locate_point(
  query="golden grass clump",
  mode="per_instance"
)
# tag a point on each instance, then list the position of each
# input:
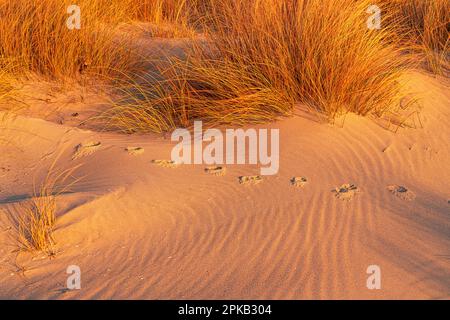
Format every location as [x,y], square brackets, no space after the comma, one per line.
[38,221]
[37,217]
[319,53]
[36,38]
[140,105]
[425,27]
[153,105]
[257,60]
[35,35]
[262,57]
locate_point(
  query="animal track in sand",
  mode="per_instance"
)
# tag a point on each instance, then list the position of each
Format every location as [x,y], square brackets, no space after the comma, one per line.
[346,191]
[134,151]
[165,163]
[216,171]
[86,149]
[299,182]
[250,179]
[402,192]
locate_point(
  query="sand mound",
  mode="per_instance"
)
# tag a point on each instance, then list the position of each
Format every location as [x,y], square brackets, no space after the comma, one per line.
[138,231]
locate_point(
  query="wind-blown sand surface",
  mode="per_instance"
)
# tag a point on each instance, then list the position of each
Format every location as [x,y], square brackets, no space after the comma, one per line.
[139,230]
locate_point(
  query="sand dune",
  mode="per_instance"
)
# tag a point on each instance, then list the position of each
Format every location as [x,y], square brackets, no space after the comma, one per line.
[139,230]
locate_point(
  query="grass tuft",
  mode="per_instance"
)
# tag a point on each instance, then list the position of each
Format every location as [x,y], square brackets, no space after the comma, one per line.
[261,58]
[37,218]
